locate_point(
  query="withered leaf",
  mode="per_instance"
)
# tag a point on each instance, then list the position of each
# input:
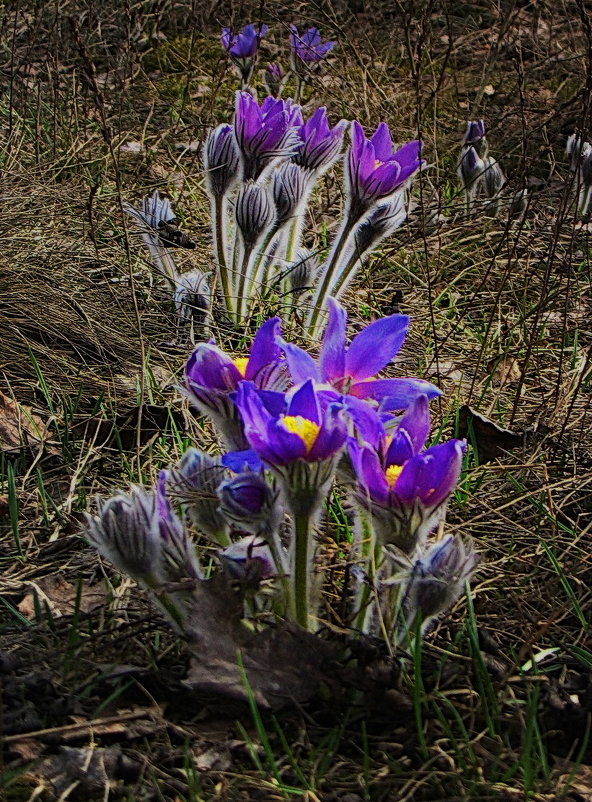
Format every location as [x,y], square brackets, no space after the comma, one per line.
[283,664]
[487,438]
[19,426]
[61,596]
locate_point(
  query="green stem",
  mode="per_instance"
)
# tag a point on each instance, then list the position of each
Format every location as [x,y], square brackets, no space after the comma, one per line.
[241,300]
[332,265]
[219,232]
[301,558]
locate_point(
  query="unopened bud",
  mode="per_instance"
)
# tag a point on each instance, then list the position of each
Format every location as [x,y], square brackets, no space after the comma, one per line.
[274,78]
[254,212]
[221,160]
[289,184]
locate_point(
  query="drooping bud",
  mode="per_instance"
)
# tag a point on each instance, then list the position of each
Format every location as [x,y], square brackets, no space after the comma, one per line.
[254,212]
[437,579]
[221,161]
[192,296]
[193,483]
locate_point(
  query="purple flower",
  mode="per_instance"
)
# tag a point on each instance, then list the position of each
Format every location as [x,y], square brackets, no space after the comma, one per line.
[470,168]
[308,47]
[242,48]
[403,487]
[305,428]
[211,376]
[374,169]
[474,133]
[265,133]
[349,370]
[321,144]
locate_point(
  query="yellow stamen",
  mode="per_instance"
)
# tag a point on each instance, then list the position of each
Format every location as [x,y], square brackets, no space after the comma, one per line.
[241,364]
[306,429]
[377,164]
[392,474]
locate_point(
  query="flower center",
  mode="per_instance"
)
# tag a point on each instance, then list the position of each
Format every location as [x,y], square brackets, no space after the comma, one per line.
[392,474]
[306,429]
[241,364]
[377,164]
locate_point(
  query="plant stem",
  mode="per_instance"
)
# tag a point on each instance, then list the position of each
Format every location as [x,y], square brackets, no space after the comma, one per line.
[328,271]
[219,236]
[301,558]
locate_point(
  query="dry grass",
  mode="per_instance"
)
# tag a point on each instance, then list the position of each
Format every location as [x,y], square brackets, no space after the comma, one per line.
[501,317]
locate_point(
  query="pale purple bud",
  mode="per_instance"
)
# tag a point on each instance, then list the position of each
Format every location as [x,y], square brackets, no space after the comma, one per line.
[303,273]
[248,560]
[470,166]
[437,579]
[493,177]
[193,483]
[221,161]
[383,222]
[250,502]
[274,78]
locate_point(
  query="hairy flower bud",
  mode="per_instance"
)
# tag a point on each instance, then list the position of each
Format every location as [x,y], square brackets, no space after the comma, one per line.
[254,212]
[288,186]
[493,177]
[250,502]
[274,78]
[221,161]
[383,221]
[193,483]
[470,167]
[303,272]
[436,580]
[248,560]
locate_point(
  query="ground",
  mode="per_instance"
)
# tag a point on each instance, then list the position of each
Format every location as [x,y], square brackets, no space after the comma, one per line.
[105,102]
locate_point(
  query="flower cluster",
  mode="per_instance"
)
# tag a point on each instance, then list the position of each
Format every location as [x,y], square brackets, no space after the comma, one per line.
[292,424]
[260,171]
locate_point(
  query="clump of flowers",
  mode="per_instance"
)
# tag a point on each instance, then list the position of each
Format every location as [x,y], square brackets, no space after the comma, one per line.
[294,425]
[260,172]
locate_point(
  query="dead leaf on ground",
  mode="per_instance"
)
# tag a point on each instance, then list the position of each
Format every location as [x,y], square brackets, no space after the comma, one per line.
[20,426]
[486,437]
[212,758]
[504,370]
[283,664]
[579,782]
[60,595]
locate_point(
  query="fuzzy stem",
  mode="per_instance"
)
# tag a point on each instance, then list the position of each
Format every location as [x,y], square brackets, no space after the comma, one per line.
[242,297]
[219,205]
[301,558]
[330,268]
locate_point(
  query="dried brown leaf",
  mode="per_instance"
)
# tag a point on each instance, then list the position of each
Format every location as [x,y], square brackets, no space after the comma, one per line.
[60,595]
[19,426]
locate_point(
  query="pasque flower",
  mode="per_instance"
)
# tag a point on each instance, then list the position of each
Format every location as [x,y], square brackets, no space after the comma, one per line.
[242,48]
[298,426]
[299,437]
[320,144]
[374,169]
[402,486]
[349,370]
[265,133]
[211,376]
[308,47]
